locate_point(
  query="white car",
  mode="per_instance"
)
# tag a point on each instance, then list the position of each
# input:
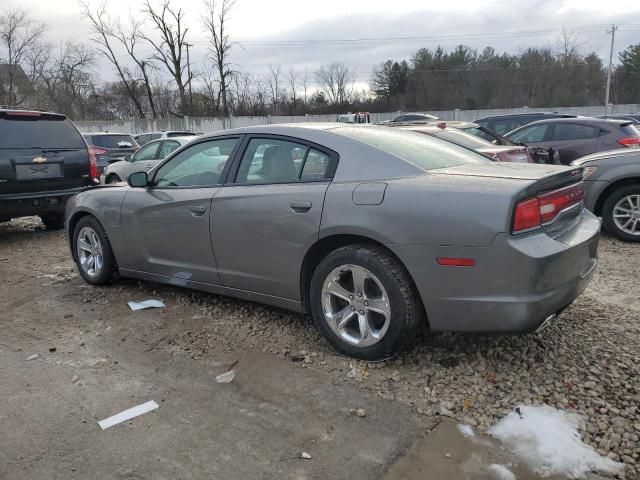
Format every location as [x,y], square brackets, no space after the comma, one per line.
[143,160]
[144,138]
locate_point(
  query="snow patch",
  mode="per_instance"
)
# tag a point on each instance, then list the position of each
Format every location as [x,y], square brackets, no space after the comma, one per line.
[501,472]
[547,440]
[466,430]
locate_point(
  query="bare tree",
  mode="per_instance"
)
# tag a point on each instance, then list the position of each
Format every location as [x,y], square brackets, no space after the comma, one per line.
[292,78]
[336,81]
[105,31]
[220,44]
[169,22]
[305,79]
[19,35]
[273,82]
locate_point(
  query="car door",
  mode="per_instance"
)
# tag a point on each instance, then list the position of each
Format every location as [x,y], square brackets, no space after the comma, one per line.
[143,160]
[265,220]
[573,140]
[166,224]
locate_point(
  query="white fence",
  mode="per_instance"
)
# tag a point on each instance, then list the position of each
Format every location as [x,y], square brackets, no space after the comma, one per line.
[212,124]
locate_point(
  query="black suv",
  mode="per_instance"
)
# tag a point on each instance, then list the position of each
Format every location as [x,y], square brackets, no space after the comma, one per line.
[503,124]
[43,161]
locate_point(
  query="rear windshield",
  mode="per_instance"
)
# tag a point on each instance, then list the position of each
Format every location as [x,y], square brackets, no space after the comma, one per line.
[460,138]
[423,151]
[39,132]
[180,134]
[112,141]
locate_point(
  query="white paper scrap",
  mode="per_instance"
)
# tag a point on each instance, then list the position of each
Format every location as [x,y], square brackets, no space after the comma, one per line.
[226,377]
[128,414]
[151,303]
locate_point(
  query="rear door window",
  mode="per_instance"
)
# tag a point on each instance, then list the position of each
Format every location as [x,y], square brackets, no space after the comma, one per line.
[113,141]
[271,160]
[167,147]
[39,132]
[148,152]
[574,131]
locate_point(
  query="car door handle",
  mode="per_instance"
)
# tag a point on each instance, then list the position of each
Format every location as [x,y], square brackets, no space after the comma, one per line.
[198,211]
[300,207]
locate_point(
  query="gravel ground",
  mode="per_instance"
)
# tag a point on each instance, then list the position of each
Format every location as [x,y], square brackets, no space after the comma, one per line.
[588,361]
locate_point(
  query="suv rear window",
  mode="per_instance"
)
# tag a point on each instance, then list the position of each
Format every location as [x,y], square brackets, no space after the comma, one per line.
[423,151]
[112,141]
[39,132]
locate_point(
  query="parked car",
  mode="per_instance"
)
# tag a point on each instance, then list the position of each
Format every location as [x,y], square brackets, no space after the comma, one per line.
[360,117]
[142,160]
[503,124]
[632,117]
[374,231]
[108,147]
[43,161]
[612,190]
[412,118]
[143,138]
[537,154]
[576,137]
[499,153]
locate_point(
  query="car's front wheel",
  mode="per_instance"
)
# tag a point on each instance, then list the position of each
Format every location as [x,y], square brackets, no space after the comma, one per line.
[92,252]
[621,213]
[113,179]
[364,302]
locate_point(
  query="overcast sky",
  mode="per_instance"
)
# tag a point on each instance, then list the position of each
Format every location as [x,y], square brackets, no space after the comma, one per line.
[506,25]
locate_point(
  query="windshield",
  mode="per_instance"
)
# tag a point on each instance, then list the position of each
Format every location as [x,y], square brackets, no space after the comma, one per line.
[423,151]
[39,132]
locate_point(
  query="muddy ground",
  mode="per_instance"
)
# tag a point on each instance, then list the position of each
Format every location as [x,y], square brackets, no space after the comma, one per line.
[292,392]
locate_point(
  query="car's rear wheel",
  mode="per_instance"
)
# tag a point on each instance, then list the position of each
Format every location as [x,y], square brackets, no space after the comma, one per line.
[114,179]
[364,302]
[53,221]
[621,213]
[92,252]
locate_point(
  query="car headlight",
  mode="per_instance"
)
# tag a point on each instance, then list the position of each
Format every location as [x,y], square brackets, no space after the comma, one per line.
[588,171]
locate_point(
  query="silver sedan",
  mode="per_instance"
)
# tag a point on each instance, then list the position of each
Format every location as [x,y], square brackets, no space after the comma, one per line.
[373,231]
[147,157]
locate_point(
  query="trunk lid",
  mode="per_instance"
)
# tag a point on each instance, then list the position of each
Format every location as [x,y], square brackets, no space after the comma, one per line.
[540,182]
[40,152]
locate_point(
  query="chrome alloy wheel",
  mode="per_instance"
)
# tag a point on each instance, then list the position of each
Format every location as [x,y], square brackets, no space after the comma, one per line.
[626,214]
[89,251]
[356,305]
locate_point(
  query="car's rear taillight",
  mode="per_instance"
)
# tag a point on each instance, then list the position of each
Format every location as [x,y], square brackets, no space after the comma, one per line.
[545,208]
[630,141]
[93,162]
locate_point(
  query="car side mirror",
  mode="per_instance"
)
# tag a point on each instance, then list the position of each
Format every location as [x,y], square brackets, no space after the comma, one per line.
[138,180]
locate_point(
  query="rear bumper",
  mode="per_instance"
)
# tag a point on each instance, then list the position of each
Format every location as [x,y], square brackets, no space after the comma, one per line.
[515,285]
[35,203]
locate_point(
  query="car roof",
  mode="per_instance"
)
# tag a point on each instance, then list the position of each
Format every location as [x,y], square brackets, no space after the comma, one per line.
[584,120]
[6,109]
[527,114]
[105,133]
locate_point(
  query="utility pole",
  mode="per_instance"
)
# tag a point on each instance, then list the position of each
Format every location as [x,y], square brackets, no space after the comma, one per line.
[189,74]
[606,98]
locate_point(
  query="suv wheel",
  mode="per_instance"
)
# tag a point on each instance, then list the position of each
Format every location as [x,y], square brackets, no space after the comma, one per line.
[92,252]
[53,221]
[621,213]
[364,302]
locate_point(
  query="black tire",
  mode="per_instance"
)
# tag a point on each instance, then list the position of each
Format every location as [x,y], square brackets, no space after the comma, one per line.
[113,178]
[53,221]
[607,212]
[109,272]
[406,309]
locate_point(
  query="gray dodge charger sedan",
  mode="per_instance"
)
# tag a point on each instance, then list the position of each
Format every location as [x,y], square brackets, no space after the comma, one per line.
[371,230]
